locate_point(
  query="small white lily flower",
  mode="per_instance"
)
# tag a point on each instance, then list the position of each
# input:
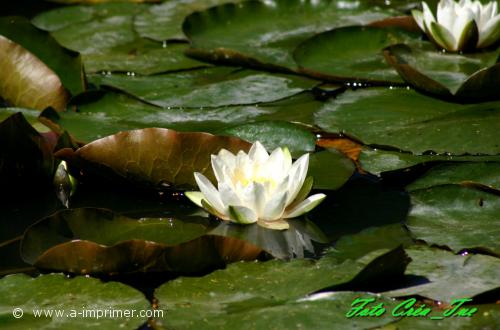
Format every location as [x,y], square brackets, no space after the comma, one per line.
[462,25]
[257,187]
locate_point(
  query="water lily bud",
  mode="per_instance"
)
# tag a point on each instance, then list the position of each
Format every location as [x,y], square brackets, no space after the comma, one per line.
[64,183]
[257,187]
[463,25]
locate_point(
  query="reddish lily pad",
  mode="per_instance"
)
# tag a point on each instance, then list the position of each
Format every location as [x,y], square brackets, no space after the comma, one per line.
[97,241]
[67,65]
[25,81]
[153,157]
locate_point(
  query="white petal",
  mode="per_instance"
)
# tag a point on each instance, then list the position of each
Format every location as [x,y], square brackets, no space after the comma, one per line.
[243,164]
[491,33]
[275,225]
[258,153]
[303,192]
[195,197]
[494,11]
[228,195]
[227,158]
[463,19]
[209,192]
[428,16]
[446,15]
[484,16]
[259,193]
[419,18]
[275,165]
[241,214]
[275,207]
[287,165]
[213,211]
[217,167]
[254,197]
[297,176]
[305,206]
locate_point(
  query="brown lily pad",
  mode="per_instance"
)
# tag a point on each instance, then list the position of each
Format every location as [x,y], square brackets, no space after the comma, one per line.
[153,157]
[25,81]
[186,241]
[66,64]
[199,255]
[98,241]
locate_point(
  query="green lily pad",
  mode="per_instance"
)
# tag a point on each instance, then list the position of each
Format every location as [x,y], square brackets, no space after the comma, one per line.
[65,64]
[487,316]
[468,217]
[152,157]
[470,77]
[142,57]
[276,134]
[330,169]
[487,174]
[353,53]
[242,33]
[412,122]
[315,313]
[72,296]
[378,161]
[31,116]
[26,158]
[211,87]
[262,290]
[164,21]
[93,2]
[445,276]
[371,239]
[60,18]
[115,112]
[91,29]
[106,38]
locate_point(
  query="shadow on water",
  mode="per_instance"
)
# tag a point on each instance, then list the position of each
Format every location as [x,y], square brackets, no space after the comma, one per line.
[363,202]
[18,212]
[26,8]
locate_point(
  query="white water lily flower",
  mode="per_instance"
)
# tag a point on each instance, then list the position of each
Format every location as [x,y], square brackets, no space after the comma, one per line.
[257,187]
[460,26]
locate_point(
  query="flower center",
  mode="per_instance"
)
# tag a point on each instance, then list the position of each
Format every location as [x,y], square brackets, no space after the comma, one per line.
[244,179]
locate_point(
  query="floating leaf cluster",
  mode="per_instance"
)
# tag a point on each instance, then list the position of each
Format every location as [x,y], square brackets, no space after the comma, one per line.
[135,97]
